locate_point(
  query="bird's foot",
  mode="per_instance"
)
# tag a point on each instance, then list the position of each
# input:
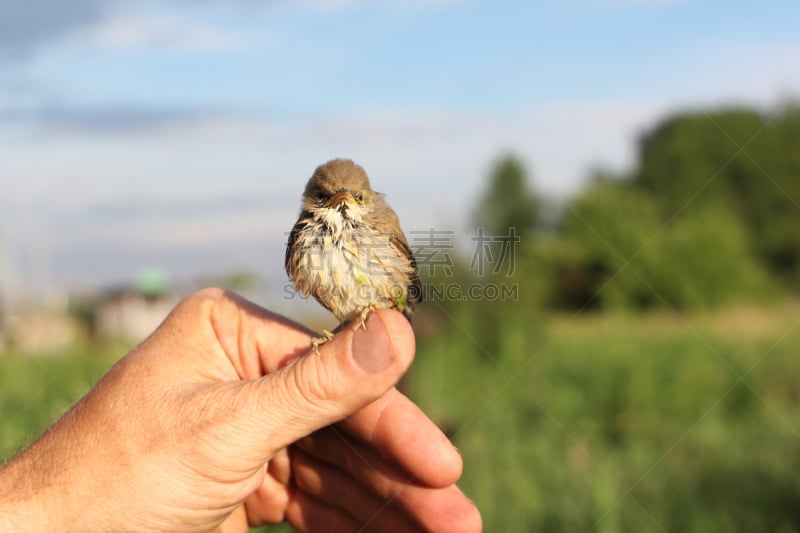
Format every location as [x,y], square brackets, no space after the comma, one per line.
[364,314]
[317,341]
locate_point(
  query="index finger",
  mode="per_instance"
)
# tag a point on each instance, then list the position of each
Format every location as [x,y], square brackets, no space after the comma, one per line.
[401,433]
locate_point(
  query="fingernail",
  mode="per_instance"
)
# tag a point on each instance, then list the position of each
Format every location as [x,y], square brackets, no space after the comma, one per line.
[372,350]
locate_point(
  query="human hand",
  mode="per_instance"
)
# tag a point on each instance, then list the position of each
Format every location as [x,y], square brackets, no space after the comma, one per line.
[190,431]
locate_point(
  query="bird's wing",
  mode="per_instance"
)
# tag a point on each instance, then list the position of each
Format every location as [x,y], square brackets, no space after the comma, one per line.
[397,239]
[290,260]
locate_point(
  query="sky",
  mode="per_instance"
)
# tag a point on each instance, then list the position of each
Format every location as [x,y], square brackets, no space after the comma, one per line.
[179,135]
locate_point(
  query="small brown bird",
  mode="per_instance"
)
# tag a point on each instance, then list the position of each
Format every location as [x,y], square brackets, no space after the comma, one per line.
[347,249]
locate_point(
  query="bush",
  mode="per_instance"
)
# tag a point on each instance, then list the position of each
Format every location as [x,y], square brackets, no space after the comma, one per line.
[737,158]
[616,252]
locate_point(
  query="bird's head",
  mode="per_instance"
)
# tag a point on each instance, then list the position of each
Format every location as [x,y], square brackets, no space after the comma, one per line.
[338,192]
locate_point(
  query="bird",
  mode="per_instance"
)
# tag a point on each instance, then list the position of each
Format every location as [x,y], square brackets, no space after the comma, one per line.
[347,248]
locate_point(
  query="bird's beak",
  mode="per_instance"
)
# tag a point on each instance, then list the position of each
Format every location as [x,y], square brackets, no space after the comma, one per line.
[341,198]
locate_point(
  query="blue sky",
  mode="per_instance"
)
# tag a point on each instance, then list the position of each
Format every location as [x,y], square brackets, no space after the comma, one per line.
[179,134]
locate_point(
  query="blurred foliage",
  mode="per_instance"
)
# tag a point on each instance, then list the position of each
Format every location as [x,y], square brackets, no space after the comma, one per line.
[237,281]
[36,390]
[614,251]
[678,419]
[709,215]
[744,160]
[620,423]
[507,201]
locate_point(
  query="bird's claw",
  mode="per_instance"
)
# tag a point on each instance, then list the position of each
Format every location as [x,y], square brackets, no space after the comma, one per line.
[317,341]
[364,314]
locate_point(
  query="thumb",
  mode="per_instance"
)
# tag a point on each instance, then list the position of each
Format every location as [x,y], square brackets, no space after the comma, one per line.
[355,368]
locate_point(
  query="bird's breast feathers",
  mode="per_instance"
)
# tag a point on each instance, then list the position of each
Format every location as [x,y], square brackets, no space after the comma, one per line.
[349,267]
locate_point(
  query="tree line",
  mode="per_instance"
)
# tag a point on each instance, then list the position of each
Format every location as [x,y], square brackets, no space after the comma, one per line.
[709,215]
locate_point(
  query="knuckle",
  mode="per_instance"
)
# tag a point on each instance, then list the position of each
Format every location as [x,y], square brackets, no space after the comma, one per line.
[202,303]
[211,295]
[275,513]
[316,387]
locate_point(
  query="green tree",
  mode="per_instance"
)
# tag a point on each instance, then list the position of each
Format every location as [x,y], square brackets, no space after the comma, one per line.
[736,159]
[688,160]
[508,201]
[505,218]
[614,251]
[602,235]
[768,196]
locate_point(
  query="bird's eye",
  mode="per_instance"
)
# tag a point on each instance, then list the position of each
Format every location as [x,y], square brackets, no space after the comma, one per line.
[359,197]
[319,196]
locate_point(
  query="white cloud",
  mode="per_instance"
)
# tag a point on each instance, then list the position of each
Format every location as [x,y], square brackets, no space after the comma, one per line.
[165,31]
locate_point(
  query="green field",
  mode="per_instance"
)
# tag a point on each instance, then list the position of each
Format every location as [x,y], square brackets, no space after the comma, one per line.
[574,423]
[36,390]
[618,423]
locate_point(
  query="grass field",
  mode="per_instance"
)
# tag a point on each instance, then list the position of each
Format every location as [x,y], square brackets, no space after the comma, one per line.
[592,423]
[36,390]
[618,423]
